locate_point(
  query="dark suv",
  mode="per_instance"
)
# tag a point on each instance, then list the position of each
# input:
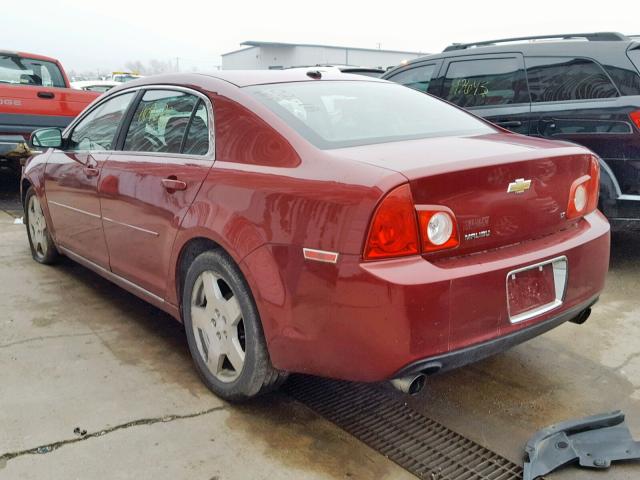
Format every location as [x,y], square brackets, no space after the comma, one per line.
[583,88]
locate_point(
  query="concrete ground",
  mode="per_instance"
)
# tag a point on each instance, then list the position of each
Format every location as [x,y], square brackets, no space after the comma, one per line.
[77,353]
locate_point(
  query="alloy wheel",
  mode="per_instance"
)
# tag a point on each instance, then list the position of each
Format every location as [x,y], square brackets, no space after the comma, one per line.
[218,326]
[37,227]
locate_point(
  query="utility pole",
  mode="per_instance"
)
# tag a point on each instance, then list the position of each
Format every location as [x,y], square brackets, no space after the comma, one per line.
[177,64]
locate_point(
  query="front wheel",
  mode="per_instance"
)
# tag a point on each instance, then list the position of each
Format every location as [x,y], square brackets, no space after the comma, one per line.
[43,250]
[224,330]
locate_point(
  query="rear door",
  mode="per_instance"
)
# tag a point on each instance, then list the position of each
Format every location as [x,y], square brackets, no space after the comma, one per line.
[491,86]
[574,99]
[147,186]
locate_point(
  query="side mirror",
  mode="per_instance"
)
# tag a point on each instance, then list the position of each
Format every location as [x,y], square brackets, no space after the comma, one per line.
[46,138]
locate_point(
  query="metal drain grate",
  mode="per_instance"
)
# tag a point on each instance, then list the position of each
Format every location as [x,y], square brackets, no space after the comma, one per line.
[422,446]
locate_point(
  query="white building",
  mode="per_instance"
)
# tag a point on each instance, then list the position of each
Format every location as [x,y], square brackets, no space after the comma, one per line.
[275,55]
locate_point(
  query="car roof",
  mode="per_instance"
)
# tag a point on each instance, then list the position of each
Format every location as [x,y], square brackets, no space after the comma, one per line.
[245,78]
[33,56]
[579,48]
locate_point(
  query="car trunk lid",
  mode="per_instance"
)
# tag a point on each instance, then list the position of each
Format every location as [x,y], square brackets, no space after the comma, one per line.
[502,188]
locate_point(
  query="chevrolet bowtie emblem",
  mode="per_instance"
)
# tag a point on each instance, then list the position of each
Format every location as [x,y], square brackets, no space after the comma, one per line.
[520,185]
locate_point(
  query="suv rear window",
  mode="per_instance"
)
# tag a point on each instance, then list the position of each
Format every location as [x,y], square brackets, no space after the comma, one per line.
[554,79]
[485,82]
[335,114]
[28,71]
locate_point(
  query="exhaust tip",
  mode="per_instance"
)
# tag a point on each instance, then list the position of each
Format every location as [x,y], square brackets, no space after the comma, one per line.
[412,384]
[582,317]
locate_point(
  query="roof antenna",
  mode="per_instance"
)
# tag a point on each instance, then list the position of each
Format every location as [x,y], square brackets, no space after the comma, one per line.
[315,74]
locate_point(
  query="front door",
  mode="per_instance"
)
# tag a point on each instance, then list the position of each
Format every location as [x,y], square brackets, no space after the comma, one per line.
[491,86]
[147,187]
[71,180]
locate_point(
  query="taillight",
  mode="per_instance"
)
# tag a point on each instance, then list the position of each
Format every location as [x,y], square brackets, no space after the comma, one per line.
[393,231]
[438,229]
[394,227]
[635,118]
[583,194]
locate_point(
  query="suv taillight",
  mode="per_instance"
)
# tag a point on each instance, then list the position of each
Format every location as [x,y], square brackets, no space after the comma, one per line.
[583,194]
[635,118]
[396,230]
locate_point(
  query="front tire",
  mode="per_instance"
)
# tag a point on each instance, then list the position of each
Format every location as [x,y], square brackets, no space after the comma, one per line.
[43,250]
[224,330]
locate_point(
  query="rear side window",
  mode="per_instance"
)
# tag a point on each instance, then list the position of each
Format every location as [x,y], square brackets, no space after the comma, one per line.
[97,130]
[485,82]
[27,71]
[555,79]
[161,120]
[197,140]
[417,78]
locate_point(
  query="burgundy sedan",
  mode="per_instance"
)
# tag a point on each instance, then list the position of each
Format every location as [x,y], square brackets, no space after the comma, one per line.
[321,223]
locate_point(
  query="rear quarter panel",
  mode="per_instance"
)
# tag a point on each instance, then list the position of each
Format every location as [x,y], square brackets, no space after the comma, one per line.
[265,199]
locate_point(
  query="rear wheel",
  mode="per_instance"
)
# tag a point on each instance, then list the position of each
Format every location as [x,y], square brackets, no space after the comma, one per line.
[224,330]
[43,250]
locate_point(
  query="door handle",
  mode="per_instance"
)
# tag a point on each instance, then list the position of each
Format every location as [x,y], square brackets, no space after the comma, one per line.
[46,95]
[91,167]
[547,123]
[172,184]
[91,171]
[510,124]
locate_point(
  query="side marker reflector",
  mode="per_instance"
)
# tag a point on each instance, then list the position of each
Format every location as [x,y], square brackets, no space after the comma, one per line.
[320,255]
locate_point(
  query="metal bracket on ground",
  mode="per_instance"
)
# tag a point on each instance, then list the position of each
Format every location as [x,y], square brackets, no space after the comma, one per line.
[594,442]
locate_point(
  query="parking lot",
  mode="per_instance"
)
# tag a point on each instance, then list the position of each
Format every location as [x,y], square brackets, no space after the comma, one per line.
[81,354]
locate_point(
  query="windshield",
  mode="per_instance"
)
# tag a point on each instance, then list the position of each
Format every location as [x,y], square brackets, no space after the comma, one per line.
[28,71]
[336,114]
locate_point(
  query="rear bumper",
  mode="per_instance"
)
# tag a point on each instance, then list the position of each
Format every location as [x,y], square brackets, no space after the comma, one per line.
[475,353]
[368,321]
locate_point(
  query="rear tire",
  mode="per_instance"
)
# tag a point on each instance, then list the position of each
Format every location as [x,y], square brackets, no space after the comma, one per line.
[43,250]
[224,330]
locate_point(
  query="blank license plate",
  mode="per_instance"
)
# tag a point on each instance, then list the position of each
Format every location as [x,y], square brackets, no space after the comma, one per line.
[537,289]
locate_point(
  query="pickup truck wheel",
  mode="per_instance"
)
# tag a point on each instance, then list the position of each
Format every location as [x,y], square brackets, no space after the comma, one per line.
[43,250]
[224,330]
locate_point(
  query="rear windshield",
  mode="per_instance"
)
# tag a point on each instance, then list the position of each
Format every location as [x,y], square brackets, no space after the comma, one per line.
[28,71]
[336,114]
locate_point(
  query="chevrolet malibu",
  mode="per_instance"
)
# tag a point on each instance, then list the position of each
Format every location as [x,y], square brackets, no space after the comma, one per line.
[323,223]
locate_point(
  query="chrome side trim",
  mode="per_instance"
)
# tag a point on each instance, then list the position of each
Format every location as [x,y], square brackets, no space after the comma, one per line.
[626,196]
[139,229]
[51,202]
[560,279]
[117,279]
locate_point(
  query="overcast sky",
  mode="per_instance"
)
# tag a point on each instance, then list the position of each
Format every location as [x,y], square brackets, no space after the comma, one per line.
[87,34]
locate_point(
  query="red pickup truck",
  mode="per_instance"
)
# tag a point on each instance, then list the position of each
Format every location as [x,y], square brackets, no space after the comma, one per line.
[34,93]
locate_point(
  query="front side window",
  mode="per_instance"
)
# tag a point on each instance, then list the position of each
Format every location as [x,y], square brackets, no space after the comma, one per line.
[96,132]
[28,71]
[161,121]
[556,79]
[336,114]
[485,82]
[417,78]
